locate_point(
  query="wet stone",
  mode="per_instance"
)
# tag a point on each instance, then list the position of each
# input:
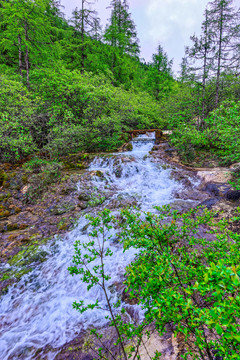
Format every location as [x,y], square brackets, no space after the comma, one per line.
[233,195]
[209,203]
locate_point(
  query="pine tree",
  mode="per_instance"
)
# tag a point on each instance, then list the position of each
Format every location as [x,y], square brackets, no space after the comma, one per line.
[160,73]
[225,25]
[26,29]
[121,32]
[87,24]
[121,35]
[200,56]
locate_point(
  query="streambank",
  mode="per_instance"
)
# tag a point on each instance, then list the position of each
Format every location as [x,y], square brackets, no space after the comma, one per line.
[36,313]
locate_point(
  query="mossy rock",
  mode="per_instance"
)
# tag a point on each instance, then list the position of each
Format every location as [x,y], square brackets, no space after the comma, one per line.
[12,227]
[83,196]
[129,147]
[5,196]
[63,208]
[3,177]
[4,212]
[25,179]
[99,174]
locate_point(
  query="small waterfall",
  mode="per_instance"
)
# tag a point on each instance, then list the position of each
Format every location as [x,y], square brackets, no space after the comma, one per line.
[37,311]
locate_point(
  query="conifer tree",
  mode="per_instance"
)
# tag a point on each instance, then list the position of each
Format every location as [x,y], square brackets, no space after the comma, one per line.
[26,29]
[87,24]
[200,55]
[121,32]
[225,25]
[160,73]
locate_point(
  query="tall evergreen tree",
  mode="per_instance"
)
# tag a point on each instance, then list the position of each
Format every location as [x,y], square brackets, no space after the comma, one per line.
[200,55]
[26,29]
[225,25]
[121,32]
[160,73]
[87,24]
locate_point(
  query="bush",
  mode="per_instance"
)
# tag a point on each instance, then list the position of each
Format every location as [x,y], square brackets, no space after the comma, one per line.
[219,135]
[186,275]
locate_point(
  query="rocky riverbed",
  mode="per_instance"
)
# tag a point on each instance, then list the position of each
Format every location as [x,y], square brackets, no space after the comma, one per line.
[31,231]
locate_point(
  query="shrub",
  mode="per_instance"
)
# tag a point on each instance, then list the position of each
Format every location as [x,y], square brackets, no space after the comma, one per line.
[186,274]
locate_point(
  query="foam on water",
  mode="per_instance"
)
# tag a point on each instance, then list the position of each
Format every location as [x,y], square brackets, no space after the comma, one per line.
[38,310]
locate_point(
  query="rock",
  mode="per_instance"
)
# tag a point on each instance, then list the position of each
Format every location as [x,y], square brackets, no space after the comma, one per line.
[235,167]
[217,189]
[212,189]
[82,205]
[118,171]
[25,189]
[155,148]
[126,147]
[233,195]
[181,205]
[84,196]
[63,208]
[217,175]
[158,136]
[67,191]
[209,203]
[155,343]
[171,152]
[122,202]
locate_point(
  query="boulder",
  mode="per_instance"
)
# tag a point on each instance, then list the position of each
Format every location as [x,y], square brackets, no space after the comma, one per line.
[62,208]
[209,203]
[233,195]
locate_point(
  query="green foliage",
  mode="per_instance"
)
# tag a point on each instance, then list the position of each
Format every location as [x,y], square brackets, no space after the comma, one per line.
[188,277]
[186,273]
[219,135]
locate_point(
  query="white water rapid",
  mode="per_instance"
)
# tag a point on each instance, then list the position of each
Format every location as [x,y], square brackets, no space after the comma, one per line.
[37,311]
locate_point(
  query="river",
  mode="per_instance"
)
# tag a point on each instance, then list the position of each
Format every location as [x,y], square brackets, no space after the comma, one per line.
[37,311]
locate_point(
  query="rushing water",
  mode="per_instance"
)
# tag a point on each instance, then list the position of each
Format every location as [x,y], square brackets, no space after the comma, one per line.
[38,310]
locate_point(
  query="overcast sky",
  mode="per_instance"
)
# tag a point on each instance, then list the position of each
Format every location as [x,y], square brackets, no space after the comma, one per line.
[168,22]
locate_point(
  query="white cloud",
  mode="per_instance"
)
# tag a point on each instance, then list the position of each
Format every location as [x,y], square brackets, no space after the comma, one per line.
[169,22]
[174,18]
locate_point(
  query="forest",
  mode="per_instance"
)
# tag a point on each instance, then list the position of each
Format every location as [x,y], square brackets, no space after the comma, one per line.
[69,86]
[62,79]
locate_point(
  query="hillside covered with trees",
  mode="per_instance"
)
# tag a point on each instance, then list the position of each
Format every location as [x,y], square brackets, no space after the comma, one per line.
[62,79]
[70,92]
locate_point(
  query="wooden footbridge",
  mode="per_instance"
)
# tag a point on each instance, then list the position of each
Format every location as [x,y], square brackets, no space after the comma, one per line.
[158,134]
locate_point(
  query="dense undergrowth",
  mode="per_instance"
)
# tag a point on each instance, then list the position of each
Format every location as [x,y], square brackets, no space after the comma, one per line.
[186,275]
[217,135]
[67,112]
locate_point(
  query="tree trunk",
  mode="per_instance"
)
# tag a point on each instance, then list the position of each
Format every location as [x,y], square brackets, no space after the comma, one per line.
[219,56]
[204,71]
[82,36]
[27,56]
[20,65]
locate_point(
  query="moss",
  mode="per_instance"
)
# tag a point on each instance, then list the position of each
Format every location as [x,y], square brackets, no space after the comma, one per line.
[5,277]
[25,179]
[5,196]
[4,291]
[3,177]
[29,255]
[99,173]
[4,213]
[18,275]
[129,147]
[12,227]
[63,224]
